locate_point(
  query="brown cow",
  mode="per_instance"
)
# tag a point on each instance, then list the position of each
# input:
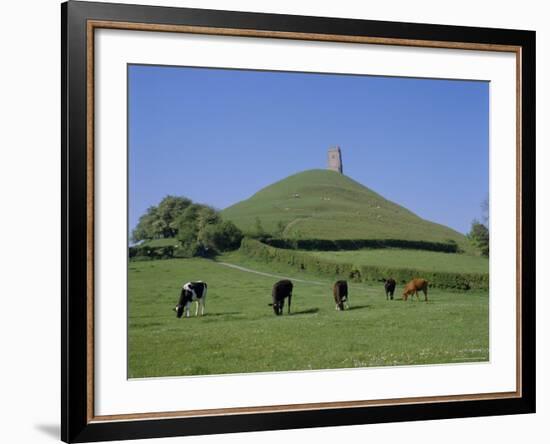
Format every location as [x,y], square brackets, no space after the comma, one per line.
[414,286]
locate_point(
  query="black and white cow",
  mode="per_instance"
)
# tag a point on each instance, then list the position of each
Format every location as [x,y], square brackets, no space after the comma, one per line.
[191,292]
[340,293]
[281,290]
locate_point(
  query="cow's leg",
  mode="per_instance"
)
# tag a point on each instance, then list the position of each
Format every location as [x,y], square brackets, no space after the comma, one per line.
[426,294]
[203,303]
[197,308]
[187,307]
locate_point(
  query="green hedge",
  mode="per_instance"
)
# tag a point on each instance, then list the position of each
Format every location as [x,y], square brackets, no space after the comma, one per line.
[357,244]
[360,273]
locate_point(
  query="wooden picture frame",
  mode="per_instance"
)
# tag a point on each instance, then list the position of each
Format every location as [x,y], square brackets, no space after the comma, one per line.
[79,22]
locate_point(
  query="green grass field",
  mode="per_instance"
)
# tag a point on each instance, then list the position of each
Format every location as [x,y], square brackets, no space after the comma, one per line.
[240,333]
[415,259]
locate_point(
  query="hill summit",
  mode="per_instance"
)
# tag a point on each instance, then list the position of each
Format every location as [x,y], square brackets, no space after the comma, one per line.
[323,204]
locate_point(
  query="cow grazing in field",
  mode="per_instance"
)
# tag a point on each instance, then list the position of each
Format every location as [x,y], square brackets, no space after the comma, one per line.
[414,286]
[389,287]
[281,290]
[340,292]
[191,292]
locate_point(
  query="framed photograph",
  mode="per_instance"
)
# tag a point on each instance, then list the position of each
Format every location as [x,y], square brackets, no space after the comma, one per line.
[275,221]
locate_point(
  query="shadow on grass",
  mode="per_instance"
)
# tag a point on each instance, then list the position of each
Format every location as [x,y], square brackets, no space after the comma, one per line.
[305,312]
[359,307]
[227,313]
[210,316]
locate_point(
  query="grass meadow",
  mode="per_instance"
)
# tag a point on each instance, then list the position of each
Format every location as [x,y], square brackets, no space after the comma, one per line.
[415,259]
[240,333]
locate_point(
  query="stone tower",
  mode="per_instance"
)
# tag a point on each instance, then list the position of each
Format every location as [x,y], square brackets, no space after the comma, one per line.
[335,159]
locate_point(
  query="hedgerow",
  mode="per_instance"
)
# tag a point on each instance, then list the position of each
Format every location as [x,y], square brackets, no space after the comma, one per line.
[359,273]
[357,244]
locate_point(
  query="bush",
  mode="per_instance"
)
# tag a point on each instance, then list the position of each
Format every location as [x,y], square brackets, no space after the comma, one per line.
[223,236]
[360,273]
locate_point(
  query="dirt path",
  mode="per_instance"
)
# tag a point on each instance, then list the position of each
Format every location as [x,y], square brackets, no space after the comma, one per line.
[249,270]
[291,224]
[279,276]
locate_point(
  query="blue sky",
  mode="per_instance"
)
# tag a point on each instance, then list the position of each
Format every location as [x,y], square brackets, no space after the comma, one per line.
[217,136]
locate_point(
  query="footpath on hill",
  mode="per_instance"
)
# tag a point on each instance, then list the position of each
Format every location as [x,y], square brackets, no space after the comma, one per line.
[278,276]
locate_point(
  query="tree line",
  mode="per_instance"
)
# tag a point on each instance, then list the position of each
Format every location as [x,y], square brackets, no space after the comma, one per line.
[198,228]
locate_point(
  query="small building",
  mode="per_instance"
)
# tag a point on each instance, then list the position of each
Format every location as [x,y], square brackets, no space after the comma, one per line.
[335,159]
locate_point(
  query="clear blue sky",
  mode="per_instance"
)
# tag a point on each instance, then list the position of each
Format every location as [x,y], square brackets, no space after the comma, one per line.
[217,136]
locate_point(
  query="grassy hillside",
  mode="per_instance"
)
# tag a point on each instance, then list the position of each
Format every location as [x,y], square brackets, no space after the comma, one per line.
[415,259]
[323,204]
[240,333]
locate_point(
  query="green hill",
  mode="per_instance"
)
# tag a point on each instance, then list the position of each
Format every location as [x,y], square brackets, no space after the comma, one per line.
[323,204]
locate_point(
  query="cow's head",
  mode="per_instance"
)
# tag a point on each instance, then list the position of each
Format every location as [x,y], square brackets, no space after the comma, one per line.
[179,310]
[278,308]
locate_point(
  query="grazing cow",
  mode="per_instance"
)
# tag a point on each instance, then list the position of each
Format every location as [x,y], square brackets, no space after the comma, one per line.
[340,292]
[414,286]
[191,292]
[389,287]
[280,291]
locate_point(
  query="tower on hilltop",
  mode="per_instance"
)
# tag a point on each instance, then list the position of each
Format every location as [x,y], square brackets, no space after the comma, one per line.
[335,159]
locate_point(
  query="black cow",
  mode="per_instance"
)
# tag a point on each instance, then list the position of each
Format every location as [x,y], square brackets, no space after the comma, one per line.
[389,287]
[280,291]
[191,292]
[340,292]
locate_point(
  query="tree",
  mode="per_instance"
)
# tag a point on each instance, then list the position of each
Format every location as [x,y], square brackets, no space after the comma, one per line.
[161,221]
[145,229]
[199,228]
[222,236]
[479,236]
[202,232]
